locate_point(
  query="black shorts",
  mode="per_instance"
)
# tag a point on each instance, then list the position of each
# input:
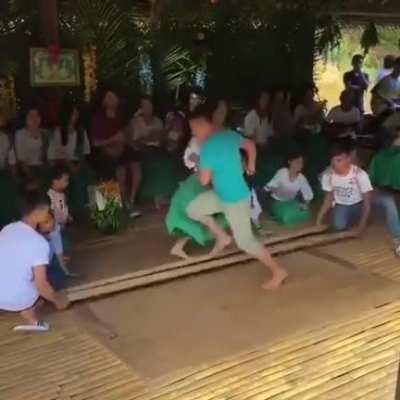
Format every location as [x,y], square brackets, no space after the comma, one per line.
[107,165]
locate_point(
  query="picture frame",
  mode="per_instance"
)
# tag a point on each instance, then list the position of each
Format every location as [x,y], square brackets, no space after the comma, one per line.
[43,72]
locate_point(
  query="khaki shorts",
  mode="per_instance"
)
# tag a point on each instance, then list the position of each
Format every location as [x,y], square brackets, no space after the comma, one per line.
[237,214]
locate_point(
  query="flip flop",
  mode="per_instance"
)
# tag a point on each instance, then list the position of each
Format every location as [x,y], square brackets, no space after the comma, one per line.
[40,326]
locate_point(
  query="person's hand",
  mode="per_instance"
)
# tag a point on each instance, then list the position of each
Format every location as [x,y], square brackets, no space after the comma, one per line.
[303,206]
[62,302]
[194,158]
[356,232]
[250,170]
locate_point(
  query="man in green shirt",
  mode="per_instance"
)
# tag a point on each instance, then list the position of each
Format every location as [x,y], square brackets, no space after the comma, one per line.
[221,166]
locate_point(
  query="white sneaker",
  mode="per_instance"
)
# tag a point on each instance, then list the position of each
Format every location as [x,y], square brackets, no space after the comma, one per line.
[40,326]
[133,213]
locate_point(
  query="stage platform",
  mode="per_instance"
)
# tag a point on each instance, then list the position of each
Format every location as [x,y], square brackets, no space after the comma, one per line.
[332,332]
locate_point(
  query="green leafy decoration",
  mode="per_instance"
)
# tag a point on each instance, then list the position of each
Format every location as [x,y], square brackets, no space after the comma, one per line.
[370,37]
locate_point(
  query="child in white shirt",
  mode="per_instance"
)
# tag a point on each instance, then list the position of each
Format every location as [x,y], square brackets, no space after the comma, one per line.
[291,187]
[59,181]
[350,195]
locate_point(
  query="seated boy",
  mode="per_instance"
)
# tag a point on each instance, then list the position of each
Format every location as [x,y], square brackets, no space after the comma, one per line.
[23,271]
[350,195]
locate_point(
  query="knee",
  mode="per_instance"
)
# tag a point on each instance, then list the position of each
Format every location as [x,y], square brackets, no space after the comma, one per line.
[249,245]
[192,211]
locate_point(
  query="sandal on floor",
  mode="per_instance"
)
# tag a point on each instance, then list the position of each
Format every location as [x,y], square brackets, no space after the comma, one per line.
[40,326]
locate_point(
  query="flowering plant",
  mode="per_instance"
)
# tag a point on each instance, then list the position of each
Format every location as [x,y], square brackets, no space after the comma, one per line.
[107,212]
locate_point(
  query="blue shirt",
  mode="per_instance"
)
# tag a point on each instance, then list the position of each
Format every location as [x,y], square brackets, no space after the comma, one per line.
[220,154]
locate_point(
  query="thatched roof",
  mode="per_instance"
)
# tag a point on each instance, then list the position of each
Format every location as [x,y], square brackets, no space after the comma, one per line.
[380,11]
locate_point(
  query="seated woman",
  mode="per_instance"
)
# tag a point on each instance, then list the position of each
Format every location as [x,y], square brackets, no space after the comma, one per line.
[31,143]
[344,120]
[114,155]
[290,192]
[147,136]
[309,114]
[258,123]
[282,117]
[69,145]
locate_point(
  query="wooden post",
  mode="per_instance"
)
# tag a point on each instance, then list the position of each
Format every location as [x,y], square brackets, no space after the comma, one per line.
[49,19]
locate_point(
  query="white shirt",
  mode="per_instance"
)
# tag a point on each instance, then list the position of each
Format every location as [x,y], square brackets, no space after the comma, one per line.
[29,150]
[139,130]
[21,250]
[389,88]
[339,116]
[192,148]
[57,151]
[7,153]
[348,189]
[284,189]
[257,128]
[382,73]
[59,206]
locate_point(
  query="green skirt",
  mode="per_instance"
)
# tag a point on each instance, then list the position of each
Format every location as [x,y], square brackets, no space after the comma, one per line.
[8,198]
[288,212]
[160,177]
[384,169]
[177,221]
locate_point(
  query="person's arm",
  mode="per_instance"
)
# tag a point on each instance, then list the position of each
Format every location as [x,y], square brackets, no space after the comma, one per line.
[45,289]
[251,155]
[205,176]
[325,207]
[250,125]
[366,210]
[306,190]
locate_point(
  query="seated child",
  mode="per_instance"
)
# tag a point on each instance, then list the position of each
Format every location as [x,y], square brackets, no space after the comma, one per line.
[350,196]
[59,181]
[51,231]
[290,192]
[23,273]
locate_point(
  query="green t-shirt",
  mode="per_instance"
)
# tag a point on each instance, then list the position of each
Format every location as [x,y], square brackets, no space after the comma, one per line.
[221,155]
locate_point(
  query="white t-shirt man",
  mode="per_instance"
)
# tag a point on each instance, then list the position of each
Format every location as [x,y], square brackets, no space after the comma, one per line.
[29,149]
[57,151]
[284,189]
[7,154]
[382,73]
[21,250]
[347,189]
[257,128]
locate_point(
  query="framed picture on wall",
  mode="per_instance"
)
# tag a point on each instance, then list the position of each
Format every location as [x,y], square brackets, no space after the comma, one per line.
[66,72]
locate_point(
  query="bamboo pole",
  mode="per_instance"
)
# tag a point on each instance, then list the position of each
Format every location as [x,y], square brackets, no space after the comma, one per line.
[175,270]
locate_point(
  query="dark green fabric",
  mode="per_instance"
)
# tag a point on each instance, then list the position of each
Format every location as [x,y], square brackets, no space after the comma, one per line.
[384,169]
[177,221]
[289,212]
[160,177]
[78,193]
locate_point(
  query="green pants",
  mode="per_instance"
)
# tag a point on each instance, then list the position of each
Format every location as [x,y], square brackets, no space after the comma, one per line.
[237,214]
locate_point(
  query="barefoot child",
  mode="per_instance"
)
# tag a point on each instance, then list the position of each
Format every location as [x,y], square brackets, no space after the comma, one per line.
[290,192]
[59,181]
[220,164]
[350,196]
[25,256]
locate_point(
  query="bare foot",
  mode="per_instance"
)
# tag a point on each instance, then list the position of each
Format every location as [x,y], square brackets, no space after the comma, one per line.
[177,251]
[277,280]
[220,245]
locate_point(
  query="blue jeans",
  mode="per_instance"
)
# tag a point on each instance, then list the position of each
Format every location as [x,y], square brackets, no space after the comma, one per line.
[345,217]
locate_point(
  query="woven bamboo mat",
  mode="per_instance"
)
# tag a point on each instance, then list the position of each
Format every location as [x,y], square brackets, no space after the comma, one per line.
[375,257]
[66,364]
[356,359]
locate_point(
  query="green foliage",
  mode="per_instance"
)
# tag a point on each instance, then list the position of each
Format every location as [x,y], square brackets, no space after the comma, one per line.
[369,37]
[111,219]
